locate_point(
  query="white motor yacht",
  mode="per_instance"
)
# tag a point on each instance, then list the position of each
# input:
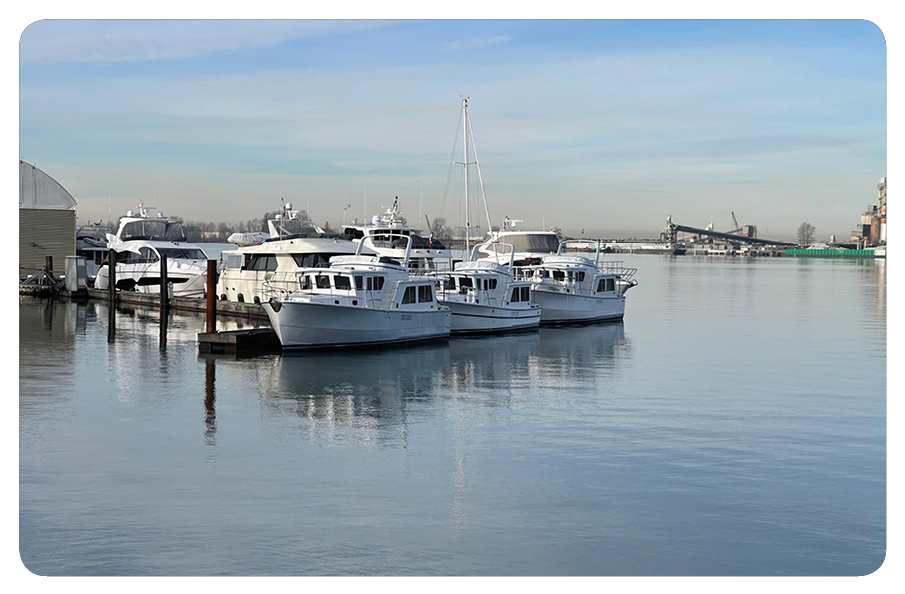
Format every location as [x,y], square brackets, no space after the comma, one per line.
[359,300]
[571,288]
[485,297]
[140,241]
[275,259]
[568,287]
[388,233]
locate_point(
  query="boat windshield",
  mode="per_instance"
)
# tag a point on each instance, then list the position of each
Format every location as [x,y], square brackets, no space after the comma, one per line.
[161,230]
[541,243]
[182,253]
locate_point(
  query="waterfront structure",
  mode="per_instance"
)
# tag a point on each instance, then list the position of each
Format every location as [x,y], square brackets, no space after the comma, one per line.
[871,231]
[46,220]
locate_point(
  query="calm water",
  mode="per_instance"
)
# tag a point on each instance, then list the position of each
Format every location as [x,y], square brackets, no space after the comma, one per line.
[734,423]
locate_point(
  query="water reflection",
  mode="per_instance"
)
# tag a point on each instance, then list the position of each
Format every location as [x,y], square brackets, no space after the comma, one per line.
[365,390]
[580,352]
[485,370]
[375,390]
[47,336]
[210,395]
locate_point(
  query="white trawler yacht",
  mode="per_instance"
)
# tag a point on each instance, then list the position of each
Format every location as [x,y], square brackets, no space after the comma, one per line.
[388,233]
[275,258]
[569,288]
[139,242]
[358,301]
[484,295]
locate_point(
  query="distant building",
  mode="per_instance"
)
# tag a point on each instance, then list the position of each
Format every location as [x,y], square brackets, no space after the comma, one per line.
[881,192]
[46,220]
[872,229]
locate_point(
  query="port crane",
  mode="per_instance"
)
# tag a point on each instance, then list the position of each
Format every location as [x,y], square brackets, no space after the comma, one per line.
[735,226]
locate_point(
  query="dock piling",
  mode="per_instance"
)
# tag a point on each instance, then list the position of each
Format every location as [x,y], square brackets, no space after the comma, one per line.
[211,296]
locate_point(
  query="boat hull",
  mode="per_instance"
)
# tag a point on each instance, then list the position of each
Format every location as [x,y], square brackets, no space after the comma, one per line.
[189,279]
[571,308]
[471,318]
[305,325]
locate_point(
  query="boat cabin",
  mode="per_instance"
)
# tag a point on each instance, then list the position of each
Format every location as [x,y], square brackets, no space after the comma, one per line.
[367,288]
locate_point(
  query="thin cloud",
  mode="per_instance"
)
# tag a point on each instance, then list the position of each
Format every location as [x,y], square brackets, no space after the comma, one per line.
[467,44]
[66,41]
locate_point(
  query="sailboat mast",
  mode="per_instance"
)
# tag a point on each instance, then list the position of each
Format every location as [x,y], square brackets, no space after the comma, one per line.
[474,148]
[465,164]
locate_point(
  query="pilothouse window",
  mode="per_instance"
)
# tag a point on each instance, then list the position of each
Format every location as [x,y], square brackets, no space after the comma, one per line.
[343,283]
[425,294]
[260,262]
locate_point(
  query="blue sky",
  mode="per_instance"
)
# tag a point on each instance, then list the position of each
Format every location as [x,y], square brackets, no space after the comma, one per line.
[606,126]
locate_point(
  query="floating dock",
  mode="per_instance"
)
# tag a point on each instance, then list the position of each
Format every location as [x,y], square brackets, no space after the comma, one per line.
[228,308]
[257,341]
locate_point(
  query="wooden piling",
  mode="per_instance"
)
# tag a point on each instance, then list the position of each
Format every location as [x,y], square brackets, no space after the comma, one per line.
[164,293]
[111,265]
[211,295]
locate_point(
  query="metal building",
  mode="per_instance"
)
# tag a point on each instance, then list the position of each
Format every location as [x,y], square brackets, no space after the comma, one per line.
[46,220]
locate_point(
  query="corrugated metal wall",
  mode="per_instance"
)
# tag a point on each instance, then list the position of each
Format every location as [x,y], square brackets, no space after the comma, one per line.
[45,232]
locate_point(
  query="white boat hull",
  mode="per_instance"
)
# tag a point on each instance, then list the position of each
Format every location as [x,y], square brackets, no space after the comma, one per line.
[469,318]
[570,308]
[189,278]
[301,325]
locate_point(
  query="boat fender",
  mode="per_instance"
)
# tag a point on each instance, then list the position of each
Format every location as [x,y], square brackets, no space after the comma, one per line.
[275,304]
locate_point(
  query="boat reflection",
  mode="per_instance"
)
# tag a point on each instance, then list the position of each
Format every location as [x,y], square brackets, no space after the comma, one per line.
[580,352]
[362,389]
[379,390]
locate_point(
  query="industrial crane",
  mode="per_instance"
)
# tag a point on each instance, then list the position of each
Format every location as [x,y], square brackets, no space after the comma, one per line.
[736,228]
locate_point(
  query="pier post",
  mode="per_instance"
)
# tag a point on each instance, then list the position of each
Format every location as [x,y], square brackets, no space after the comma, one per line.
[164,302]
[111,265]
[211,295]
[48,263]
[164,293]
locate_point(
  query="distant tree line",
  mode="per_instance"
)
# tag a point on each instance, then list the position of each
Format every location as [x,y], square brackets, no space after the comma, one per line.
[196,231]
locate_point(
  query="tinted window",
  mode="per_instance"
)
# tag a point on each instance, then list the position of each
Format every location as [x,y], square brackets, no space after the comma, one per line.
[342,282]
[322,282]
[425,295]
[409,295]
[183,253]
